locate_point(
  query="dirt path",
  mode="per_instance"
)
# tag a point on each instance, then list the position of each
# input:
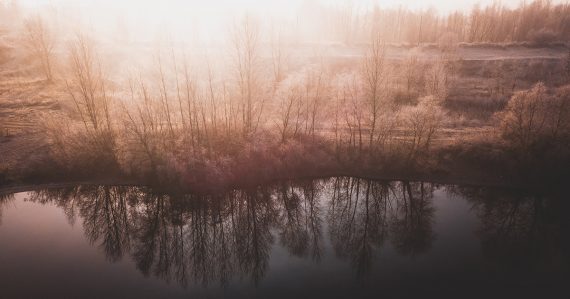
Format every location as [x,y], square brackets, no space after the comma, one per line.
[464,53]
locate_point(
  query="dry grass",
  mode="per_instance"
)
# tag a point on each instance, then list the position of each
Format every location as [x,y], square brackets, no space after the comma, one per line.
[196,127]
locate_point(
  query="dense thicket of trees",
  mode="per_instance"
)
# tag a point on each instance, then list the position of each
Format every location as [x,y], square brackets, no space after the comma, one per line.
[540,21]
[39,40]
[537,118]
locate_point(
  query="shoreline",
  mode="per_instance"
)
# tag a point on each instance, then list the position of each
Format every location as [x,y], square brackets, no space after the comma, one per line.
[442,180]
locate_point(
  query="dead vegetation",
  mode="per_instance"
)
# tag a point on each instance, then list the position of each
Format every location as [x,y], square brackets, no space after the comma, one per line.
[536,125]
[39,40]
[192,120]
[538,23]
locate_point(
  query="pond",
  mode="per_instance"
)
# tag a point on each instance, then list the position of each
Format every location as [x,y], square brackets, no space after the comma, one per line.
[328,238]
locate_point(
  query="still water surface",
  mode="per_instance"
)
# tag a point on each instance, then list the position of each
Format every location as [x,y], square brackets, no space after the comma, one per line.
[333,238]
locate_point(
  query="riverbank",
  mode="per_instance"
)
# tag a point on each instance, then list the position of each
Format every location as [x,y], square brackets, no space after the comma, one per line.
[446,166]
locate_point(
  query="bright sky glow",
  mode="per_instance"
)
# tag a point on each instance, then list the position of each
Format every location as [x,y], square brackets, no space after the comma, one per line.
[284,6]
[209,20]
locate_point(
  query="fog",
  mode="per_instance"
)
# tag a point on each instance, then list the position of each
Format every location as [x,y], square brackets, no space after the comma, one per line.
[210,21]
[232,92]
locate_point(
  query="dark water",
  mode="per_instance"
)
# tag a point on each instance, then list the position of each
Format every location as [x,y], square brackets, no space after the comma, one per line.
[334,238]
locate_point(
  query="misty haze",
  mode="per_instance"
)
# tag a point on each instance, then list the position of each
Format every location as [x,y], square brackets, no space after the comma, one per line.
[284,149]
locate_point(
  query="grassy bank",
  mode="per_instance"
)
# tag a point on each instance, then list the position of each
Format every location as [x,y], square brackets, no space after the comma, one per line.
[483,162]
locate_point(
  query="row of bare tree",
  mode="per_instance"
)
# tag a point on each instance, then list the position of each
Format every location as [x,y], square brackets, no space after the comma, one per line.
[182,106]
[539,21]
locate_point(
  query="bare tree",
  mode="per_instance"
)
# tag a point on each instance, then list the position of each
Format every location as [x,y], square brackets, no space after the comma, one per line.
[437,80]
[354,114]
[278,57]
[374,78]
[40,40]
[289,101]
[165,96]
[87,87]
[191,100]
[315,93]
[533,117]
[144,125]
[245,42]
[410,72]
[424,120]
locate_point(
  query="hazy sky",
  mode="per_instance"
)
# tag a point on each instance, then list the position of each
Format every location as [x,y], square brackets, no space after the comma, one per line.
[440,5]
[210,17]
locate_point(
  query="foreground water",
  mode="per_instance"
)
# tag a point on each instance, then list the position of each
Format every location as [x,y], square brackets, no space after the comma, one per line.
[333,238]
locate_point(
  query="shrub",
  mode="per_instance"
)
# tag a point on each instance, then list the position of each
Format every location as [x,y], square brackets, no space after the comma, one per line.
[437,80]
[534,118]
[424,120]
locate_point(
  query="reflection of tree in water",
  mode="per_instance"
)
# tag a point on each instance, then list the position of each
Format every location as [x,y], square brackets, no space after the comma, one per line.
[253,214]
[156,239]
[411,227]
[518,230]
[105,218]
[188,237]
[300,219]
[104,212]
[364,213]
[357,219]
[4,200]
[210,239]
